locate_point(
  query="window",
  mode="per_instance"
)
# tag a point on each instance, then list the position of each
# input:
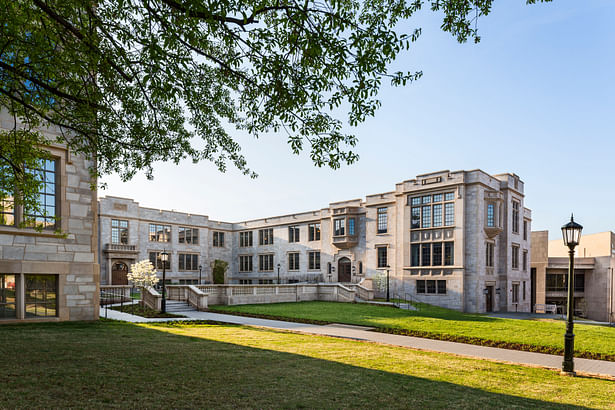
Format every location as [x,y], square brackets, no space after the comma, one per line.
[293,233]
[293,261]
[119,232]
[449,214]
[525,230]
[8,306]
[449,196]
[426,221]
[265,281]
[265,263]
[41,295]
[314,260]
[437,254]
[515,216]
[188,235]
[360,268]
[426,254]
[515,256]
[431,286]
[339,226]
[46,217]
[383,260]
[382,220]
[159,233]
[154,258]
[489,253]
[351,226]
[449,253]
[415,256]
[426,199]
[437,198]
[490,215]
[265,236]
[188,261]
[437,215]
[7,212]
[415,219]
[415,201]
[245,263]
[558,282]
[524,261]
[524,290]
[245,281]
[515,293]
[314,232]
[219,239]
[245,239]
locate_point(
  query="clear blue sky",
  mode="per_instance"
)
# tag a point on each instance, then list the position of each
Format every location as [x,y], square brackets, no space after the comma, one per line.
[536,97]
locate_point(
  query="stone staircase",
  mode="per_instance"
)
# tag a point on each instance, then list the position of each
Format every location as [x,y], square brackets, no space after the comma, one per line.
[178,306]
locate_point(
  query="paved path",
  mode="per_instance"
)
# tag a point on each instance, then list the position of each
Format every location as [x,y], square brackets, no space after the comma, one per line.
[587,366]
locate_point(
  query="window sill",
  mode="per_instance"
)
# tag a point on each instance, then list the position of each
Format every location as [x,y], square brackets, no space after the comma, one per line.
[5,229]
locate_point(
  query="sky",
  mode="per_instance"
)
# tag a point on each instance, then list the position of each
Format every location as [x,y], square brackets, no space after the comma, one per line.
[535,97]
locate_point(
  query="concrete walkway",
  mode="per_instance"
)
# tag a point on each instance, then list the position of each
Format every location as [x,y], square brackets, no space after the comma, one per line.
[583,366]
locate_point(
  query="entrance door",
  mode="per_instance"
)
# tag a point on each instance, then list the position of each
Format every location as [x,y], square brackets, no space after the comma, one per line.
[489,301]
[343,269]
[119,273]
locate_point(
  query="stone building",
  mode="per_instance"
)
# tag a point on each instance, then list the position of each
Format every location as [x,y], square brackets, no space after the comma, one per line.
[50,276]
[594,263]
[454,239]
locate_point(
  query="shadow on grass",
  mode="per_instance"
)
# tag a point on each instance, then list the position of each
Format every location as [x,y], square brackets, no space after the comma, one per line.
[115,364]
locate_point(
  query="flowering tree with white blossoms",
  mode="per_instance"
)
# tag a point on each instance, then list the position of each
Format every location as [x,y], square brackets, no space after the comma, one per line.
[380,282]
[142,274]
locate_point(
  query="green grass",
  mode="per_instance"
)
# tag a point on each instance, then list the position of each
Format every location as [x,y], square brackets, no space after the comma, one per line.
[145,311]
[435,322]
[123,365]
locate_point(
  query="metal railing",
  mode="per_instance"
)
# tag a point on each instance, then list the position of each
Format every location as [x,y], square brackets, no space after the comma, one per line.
[114,295]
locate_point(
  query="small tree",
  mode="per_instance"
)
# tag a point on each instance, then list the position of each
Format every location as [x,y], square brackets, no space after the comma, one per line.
[380,282]
[142,275]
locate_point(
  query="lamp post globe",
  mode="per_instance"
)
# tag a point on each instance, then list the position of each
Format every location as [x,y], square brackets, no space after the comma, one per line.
[164,257]
[571,233]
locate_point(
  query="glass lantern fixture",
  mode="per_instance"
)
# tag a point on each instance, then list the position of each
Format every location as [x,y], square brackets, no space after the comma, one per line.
[572,233]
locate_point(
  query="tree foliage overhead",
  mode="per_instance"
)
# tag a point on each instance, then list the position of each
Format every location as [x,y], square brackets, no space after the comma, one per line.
[137,81]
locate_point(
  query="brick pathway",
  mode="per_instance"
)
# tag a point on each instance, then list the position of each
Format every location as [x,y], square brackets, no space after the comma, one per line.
[586,366]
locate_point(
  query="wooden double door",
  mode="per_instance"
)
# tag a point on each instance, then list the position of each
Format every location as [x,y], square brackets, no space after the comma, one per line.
[344,270]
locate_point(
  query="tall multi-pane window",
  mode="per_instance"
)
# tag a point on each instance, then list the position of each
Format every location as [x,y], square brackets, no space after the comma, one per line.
[339,227]
[437,215]
[415,254]
[490,215]
[383,260]
[515,293]
[245,239]
[7,211]
[293,261]
[265,263]
[245,263]
[188,261]
[314,232]
[449,214]
[524,230]
[265,236]
[188,235]
[119,232]
[415,218]
[41,295]
[351,226]
[382,220]
[8,304]
[293,233]
[431,286]
[490,249]
[426,221]
[524,261]
[314,260]
[45,172]
[426,254]
[449,253]
[159,233]
[219,239]
[515,256]
[515,216]
[436,257]
[154,258]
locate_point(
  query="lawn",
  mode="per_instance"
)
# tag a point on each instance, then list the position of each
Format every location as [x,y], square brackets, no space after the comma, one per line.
[123,365]
[434,322]
[144,311]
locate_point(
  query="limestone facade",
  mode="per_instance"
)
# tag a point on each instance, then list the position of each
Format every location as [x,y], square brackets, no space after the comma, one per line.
[54,274]
[454,239]
[594,265]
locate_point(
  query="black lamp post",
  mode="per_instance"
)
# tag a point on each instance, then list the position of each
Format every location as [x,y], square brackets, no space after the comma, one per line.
[278,273]
[200,271]
[164,257]
[388,268]
[572,237]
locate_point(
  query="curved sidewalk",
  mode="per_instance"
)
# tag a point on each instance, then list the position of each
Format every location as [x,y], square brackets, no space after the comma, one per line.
[584,366]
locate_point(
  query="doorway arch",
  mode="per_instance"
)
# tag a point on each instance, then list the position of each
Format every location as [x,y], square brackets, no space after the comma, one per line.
[344,270]
[119,274]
